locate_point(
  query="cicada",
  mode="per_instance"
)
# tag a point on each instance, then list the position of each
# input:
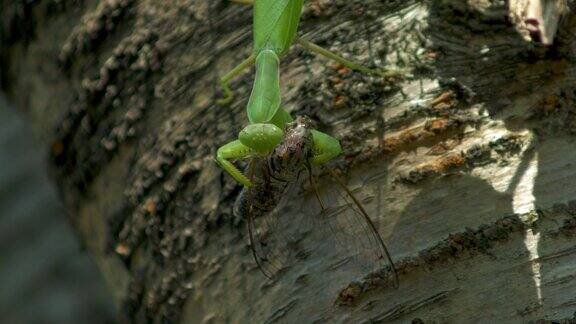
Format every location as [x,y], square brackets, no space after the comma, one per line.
[277,222]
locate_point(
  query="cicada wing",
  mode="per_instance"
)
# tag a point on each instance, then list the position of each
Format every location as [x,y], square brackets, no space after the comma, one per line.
[351,227]
[276,235]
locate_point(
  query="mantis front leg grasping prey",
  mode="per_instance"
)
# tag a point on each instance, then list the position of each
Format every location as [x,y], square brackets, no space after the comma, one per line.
[267,121]
[275,24]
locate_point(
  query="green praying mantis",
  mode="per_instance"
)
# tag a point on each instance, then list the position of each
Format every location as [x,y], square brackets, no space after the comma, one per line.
[275,23]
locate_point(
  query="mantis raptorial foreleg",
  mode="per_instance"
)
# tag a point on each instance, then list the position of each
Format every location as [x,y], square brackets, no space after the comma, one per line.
[233,150]
[225,80]
[326,148]
[259,138]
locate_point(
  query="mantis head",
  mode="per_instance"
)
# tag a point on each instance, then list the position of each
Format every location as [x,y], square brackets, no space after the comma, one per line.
[262,138]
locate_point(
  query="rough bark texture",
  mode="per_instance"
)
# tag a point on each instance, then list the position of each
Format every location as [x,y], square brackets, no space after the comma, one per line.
[465,164]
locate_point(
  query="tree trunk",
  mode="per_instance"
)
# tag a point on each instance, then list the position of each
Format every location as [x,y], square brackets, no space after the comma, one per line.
[465,163]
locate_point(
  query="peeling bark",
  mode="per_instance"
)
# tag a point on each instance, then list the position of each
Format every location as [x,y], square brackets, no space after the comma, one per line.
[539,19]
[465,163]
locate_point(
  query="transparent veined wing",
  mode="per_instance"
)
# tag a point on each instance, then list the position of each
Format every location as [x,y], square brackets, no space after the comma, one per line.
[350,225]
[276,235]
[279,235]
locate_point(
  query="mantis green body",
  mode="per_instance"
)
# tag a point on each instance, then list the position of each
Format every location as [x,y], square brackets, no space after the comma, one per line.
[275,24]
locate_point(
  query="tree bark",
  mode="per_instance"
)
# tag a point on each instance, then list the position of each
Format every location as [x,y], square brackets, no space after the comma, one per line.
[465,163]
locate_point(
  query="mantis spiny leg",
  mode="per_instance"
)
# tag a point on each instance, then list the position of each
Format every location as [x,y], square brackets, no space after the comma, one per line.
[350,64]
[225,80]
[233,150]
[326,148]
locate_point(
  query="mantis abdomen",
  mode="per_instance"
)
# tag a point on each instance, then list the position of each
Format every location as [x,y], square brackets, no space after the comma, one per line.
[275,24]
